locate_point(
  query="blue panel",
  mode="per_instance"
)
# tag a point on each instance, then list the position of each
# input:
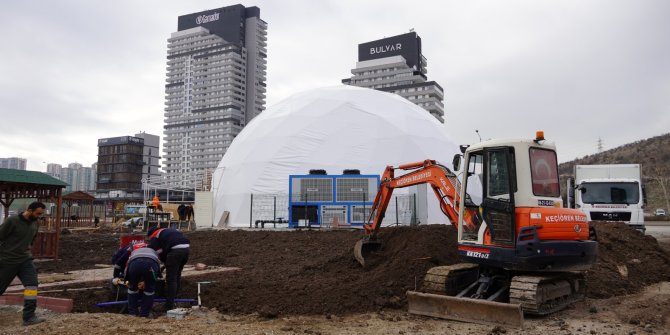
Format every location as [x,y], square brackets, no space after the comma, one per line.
[299,205]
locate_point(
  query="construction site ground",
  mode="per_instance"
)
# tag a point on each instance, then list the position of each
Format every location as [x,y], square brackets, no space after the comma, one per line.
[307,282]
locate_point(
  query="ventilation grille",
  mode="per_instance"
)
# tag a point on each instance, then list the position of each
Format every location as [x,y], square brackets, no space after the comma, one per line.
[360,214]
[356,189]
[312,190]
[331,212]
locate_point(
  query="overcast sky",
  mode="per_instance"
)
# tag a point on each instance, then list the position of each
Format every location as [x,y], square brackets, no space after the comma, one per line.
[72,72]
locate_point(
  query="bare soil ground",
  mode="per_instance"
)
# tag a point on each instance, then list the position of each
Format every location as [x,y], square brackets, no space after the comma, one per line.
[308,282]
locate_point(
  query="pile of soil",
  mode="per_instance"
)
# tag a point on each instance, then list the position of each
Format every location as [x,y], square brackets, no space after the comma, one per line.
[314,272]
[627,262]
[80,251]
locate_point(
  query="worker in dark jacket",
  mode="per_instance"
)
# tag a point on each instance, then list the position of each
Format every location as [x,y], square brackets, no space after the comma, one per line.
[143,267]
[173,250]
[16,238]
[120,258]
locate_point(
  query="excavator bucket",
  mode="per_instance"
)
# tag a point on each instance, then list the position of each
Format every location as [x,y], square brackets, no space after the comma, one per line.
[364,247]
[465,309]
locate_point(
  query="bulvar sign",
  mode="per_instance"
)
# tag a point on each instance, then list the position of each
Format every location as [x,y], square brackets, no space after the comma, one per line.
[385,48]
[406,45]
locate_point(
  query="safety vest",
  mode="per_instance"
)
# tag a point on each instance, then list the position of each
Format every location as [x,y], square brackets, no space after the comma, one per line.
[138,245]
[155,233]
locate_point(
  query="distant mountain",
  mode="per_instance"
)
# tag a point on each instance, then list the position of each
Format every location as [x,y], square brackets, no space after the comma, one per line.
[653,155]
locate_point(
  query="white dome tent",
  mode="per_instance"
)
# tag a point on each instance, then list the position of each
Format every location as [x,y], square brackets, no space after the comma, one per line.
[333,129]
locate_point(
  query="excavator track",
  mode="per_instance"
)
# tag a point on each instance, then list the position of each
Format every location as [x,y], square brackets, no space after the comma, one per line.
[449,279]
[542,295]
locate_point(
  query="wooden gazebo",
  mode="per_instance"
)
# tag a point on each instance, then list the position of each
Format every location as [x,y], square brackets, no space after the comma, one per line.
[15,184]
[81,218]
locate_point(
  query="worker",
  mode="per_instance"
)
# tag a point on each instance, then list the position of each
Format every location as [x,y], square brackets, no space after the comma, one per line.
[173,250]
[120,258]
[156,203]
[142,273]
[181,211]
[16,238]
[189,212]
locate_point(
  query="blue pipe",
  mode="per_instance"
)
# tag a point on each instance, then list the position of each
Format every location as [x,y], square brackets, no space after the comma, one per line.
[120,302]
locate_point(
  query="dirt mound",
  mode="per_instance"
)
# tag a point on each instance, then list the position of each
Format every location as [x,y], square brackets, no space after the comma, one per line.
[79,251]
[627,261]
[314,272]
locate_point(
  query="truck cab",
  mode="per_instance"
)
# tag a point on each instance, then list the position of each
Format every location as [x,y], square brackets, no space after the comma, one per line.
[610,192]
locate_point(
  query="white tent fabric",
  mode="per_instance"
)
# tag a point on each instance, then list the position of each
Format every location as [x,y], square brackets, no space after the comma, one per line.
[332,128]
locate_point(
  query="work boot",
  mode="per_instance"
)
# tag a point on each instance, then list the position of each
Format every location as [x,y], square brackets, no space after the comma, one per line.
[33,320]
[133,301]
[147,303]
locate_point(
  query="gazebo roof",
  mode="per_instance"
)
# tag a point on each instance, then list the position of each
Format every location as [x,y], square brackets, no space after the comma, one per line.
[77,195]
[28,177]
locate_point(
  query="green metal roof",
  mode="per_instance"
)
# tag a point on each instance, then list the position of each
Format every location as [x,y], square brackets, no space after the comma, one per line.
[28,177]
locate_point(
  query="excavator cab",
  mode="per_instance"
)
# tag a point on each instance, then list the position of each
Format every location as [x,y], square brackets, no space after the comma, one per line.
[512,199]
[489,196]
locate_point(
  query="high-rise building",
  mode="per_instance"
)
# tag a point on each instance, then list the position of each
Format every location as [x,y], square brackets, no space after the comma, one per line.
[86,179]
[216,72]
[54,170]
[15,163]
[151,156]
[396,65]
[77,176]
[124,164]
[70,175]
[120,167]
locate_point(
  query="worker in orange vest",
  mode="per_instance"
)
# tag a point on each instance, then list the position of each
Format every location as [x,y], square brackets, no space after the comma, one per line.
[156,202]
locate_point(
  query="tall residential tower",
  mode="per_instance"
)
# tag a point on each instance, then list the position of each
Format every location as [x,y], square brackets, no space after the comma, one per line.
[396,65]
[216,72]
[16,163]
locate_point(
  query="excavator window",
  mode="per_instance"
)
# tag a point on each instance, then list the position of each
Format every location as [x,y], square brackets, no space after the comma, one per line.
[472,217]
[498,205]
[544,172]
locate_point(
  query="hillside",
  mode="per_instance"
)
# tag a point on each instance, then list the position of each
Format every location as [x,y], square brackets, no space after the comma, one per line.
[653,154]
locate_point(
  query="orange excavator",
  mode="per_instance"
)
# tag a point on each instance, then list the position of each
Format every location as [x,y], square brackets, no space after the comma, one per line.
[521,251]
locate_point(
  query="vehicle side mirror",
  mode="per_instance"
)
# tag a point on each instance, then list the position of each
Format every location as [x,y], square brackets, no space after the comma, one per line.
[456,162]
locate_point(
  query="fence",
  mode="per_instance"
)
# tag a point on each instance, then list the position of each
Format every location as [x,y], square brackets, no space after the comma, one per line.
[273,209]
[81,216]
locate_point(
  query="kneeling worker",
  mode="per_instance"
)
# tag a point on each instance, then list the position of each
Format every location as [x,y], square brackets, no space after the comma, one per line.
[143,266]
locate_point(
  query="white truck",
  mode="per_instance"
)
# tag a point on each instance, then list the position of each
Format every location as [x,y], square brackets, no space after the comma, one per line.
[609,192]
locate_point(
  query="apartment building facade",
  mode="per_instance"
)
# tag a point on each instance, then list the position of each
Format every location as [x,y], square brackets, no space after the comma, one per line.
[216,73]
[396,65]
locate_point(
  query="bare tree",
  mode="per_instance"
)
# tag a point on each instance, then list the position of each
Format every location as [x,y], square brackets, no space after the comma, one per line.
[661,175]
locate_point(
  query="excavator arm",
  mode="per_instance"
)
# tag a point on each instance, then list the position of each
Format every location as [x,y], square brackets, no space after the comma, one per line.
[444,182]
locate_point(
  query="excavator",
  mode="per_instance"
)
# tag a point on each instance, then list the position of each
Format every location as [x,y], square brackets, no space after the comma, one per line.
[520,251]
